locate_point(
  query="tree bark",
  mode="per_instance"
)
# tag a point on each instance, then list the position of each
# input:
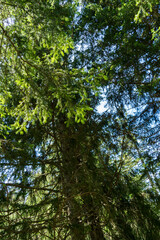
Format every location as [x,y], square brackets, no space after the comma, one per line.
[73,173]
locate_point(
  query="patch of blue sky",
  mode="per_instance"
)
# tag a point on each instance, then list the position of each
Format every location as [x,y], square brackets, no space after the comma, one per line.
[8,22]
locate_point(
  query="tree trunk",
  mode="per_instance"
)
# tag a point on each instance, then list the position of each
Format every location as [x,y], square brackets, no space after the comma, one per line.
[96,232]
[73,173]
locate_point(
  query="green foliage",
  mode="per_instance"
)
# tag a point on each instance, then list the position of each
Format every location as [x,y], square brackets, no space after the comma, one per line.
[68,171]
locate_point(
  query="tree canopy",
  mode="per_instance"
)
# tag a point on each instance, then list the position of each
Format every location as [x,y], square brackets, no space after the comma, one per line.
[68,171]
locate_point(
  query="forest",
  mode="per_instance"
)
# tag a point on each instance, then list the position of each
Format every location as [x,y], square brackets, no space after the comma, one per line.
[70,170]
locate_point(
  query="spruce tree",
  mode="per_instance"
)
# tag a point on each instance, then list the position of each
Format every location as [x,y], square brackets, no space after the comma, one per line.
[67,170]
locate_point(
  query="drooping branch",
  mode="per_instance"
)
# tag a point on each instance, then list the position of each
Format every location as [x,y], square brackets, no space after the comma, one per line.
[28,187]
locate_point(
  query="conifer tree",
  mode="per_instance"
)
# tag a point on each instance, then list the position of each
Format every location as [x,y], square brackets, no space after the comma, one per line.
[67,170]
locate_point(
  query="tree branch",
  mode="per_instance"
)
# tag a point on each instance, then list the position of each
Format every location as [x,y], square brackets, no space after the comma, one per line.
[27,187]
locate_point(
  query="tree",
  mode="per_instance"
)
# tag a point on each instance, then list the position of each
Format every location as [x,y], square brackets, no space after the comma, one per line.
[67,171]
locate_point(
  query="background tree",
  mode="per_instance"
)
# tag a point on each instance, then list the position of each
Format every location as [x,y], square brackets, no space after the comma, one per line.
[67,171]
